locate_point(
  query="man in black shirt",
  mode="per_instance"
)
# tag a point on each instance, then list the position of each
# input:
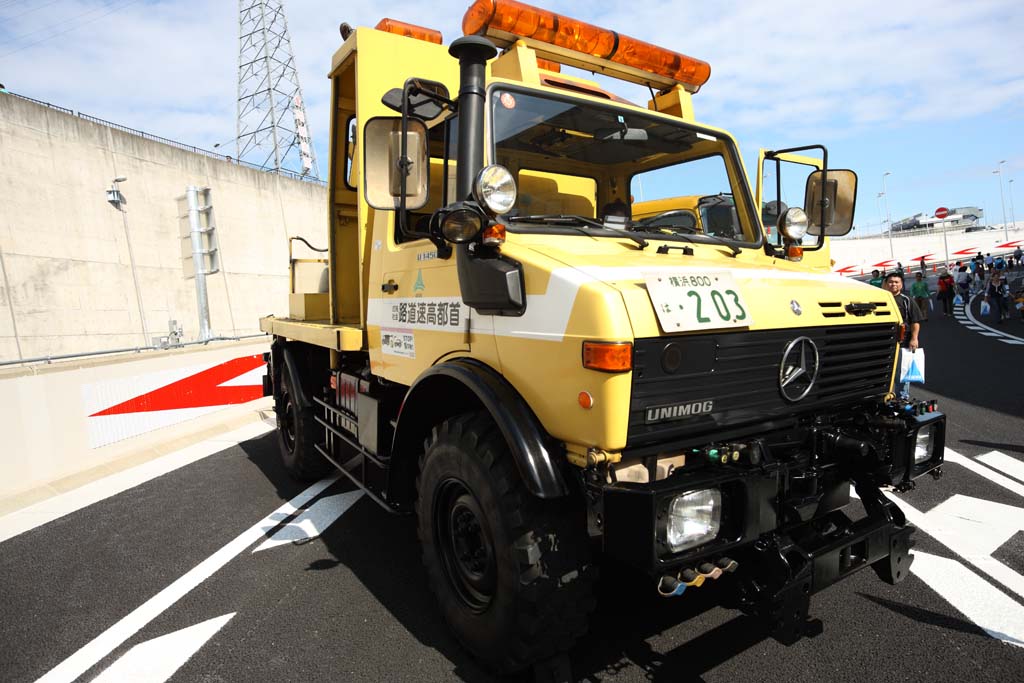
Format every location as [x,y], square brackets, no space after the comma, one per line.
[909,314]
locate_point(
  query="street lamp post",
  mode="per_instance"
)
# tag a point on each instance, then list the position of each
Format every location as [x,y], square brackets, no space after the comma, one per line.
[999,172]
[878,208]
[888,217]
[1013,214]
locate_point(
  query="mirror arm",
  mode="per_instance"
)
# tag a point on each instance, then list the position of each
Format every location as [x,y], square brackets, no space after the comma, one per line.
[824,179]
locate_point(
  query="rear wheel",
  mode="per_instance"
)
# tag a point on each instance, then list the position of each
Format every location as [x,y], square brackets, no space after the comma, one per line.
[297,432]
[512,572]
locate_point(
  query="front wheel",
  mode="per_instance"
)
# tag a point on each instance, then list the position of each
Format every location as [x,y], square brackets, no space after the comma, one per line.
[512,572]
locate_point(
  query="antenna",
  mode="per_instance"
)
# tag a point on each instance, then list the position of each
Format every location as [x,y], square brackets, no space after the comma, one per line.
[272,131]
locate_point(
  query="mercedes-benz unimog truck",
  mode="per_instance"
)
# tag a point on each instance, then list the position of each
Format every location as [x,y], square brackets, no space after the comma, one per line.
[554,326]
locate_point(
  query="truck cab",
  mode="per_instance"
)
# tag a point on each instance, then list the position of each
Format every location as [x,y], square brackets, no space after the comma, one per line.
[546,370]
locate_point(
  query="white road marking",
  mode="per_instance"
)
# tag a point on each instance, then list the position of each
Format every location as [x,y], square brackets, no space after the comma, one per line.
[105,643]
[948,523]
[50,509]
[154,661]
[1011,341]
[1000,333]
[1003,463]
[313,521]
[990,334]
[994,477]
[978,600]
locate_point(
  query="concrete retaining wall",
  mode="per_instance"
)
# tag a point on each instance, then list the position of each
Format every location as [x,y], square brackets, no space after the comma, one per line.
[66,282]
[67,418]
[861,256]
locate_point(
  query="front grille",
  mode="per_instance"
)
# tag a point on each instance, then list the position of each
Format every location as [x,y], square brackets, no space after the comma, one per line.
[739,372]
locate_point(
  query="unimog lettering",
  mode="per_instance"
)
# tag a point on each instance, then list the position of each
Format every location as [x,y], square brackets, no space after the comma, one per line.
[679,411]
[513,341]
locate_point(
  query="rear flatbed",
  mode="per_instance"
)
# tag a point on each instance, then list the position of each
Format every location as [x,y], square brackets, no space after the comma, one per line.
[316,332]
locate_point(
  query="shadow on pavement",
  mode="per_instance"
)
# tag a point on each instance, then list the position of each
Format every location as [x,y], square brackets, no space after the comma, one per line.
[382,551]
[925,616]
[1013,448]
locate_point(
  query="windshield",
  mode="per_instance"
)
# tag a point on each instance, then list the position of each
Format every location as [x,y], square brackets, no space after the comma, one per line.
[578,158]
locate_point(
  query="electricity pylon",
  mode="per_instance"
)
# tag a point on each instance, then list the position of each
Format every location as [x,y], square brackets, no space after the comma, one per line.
[272,131]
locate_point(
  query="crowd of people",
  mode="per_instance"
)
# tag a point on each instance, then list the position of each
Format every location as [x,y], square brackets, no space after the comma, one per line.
[982,275]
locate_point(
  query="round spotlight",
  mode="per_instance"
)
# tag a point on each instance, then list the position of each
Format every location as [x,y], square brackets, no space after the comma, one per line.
[461,225]
[793,223]
[495,188]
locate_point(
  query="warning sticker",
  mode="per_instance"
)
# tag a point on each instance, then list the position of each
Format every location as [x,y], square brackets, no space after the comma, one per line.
[398,343]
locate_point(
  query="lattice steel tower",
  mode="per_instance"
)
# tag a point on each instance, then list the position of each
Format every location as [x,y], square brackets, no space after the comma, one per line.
[272,130]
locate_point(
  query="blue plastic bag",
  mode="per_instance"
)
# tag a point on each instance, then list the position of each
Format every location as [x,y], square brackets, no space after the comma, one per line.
[912,366]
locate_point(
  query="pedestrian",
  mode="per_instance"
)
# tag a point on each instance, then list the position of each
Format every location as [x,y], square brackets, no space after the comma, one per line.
[876,278]
[997,296]
[963,281]
[1018,254]
[922,264]
[946,291]
[899,269]
[988,260]
[919,290]
[910,316]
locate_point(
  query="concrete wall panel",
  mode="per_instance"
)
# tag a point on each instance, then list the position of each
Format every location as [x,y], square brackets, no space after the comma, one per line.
[67,251]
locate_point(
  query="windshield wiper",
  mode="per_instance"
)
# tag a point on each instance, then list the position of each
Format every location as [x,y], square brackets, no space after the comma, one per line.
[718,240]
[554,219]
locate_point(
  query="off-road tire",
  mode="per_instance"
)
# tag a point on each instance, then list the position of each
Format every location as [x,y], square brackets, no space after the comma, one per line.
[297,432]
[528,598]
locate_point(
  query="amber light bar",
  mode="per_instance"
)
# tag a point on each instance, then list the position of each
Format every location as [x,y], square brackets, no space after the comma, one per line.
[401,28]
[522,20]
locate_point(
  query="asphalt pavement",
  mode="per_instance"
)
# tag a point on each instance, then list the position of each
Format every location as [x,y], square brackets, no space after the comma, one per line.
[176,579]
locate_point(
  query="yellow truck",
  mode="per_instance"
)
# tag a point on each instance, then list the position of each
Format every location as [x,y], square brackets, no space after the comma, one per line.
[497,345]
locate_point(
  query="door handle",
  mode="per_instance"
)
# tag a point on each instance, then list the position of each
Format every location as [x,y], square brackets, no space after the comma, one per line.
[389,287]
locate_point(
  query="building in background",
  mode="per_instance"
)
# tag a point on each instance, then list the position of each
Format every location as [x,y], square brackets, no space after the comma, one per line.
[963,217]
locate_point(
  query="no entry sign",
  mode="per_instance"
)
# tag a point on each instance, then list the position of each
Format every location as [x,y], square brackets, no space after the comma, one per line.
[941,212]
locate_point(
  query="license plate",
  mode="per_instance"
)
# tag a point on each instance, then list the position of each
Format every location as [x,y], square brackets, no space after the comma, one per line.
[697,301]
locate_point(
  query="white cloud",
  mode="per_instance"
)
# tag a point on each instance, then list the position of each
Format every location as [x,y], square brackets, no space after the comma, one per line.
[785,68]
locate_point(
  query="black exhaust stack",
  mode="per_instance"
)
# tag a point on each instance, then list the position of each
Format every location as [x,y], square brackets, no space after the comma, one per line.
[472,53]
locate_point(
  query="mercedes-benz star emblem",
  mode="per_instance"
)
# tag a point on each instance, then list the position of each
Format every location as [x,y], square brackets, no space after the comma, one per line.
[799,369]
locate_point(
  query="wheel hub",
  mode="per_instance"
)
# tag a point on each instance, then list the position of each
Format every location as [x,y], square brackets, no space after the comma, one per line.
[466,545]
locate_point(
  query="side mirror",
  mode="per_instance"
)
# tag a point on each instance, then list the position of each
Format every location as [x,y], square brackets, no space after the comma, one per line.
[384,166]
[830,213]
[427,99]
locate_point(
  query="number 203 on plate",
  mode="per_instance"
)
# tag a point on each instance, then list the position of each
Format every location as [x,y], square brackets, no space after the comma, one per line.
[697,301]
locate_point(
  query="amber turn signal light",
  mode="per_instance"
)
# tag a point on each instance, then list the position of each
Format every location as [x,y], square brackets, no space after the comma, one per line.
[401,28]
[493,235]
[608,356]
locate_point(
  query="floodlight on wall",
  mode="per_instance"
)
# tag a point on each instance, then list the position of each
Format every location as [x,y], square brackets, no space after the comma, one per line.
[114,195]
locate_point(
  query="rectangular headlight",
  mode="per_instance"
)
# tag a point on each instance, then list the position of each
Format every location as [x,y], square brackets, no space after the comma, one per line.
[694,518]
[924,445]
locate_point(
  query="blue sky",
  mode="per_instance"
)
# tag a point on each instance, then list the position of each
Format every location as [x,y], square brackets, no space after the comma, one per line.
[931,91]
